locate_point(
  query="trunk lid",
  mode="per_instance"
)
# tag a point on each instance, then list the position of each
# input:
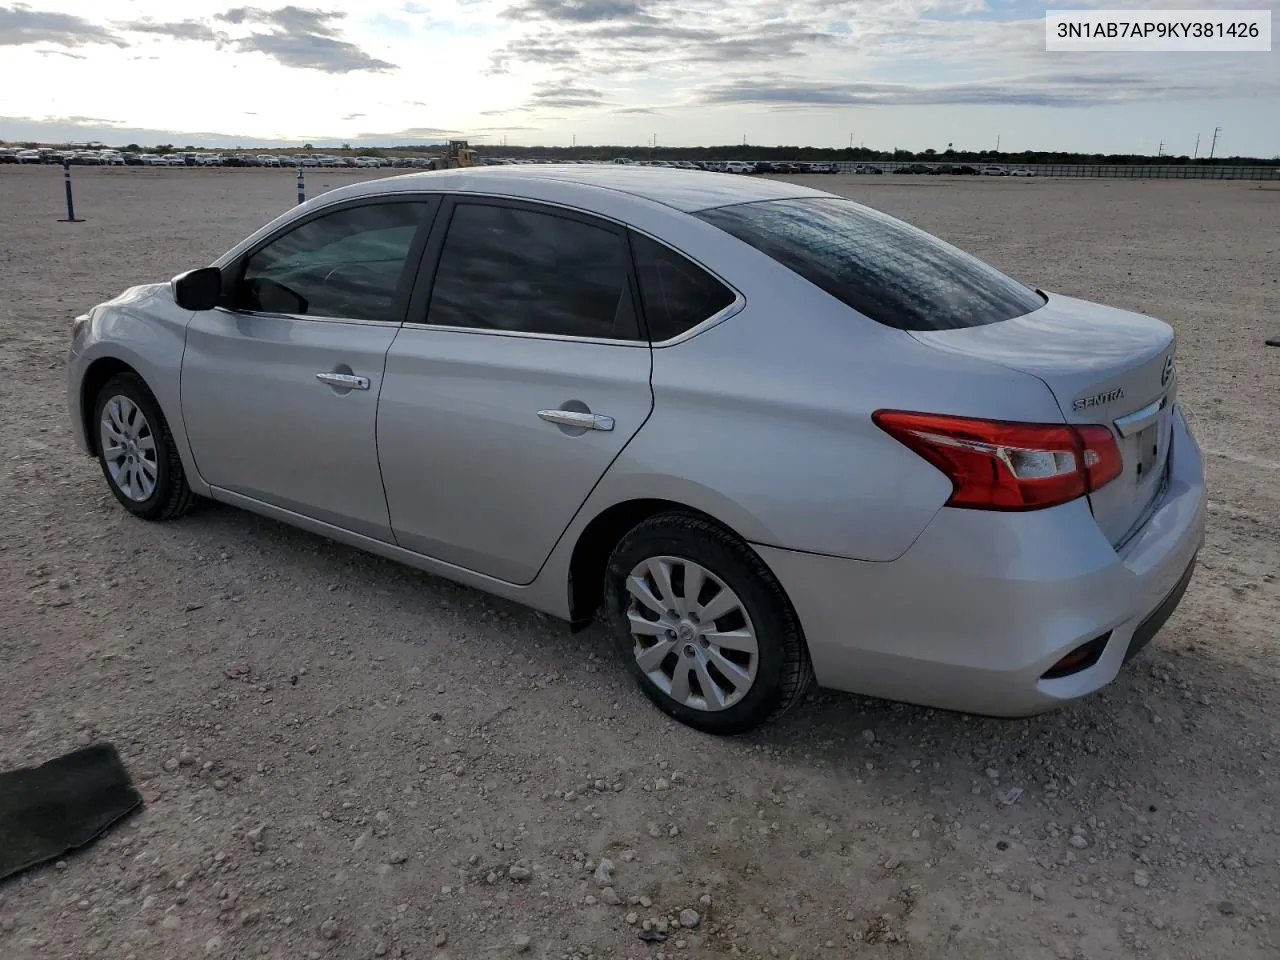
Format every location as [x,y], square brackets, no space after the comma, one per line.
[1105,366]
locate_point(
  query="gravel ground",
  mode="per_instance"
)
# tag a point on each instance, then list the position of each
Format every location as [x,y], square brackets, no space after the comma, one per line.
[345,758]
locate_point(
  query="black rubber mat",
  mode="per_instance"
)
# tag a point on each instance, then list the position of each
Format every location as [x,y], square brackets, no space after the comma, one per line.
[60,805]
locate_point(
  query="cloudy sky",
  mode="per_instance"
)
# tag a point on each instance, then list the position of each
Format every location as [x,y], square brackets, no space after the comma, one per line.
[908,73]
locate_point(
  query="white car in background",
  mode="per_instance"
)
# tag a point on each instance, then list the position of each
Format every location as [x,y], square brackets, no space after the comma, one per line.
[994,171]
[368,162]
[739,166]
[1021,172]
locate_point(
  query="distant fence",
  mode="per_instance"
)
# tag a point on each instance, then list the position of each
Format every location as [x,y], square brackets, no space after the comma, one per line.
[1121,170]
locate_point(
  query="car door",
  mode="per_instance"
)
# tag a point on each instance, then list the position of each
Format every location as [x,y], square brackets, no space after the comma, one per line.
[280,387]
[519,376]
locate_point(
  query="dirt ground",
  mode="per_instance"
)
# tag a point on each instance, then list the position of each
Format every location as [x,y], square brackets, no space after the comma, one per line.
[343,758]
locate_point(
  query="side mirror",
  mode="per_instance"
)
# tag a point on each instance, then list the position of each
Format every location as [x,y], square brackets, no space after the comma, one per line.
[198,289]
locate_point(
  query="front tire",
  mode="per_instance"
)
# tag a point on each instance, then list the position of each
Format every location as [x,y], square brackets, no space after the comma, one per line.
[136,451]
[703,625]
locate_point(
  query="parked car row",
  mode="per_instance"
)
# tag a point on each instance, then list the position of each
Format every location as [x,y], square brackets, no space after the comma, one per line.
[89,157]
[953,169]
[204,159]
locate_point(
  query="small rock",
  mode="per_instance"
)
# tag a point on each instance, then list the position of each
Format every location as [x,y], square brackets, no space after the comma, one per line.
[689,918]
[519,873]
[379,949]
[362,841]
[442,938]
[1141,878]
[171,921]
[604,872]
[609,896]
[213,945]
[705,900]
[869,736]
[330,929]
[6,924]
[662,784]
[646,902]
[171,764]
[1078,841]
[1227,908]
[521,942]
[398,857]
[632,918]
[1036,890]
[1008,796]
[186,758]
[255,834]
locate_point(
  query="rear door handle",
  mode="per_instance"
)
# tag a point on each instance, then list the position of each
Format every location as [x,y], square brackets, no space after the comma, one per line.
[344,381]
[577,418]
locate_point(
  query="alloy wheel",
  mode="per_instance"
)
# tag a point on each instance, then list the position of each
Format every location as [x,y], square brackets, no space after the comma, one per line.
[129,448]
[692,635]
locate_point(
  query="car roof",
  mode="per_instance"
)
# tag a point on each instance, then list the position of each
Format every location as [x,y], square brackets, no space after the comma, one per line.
[685,190]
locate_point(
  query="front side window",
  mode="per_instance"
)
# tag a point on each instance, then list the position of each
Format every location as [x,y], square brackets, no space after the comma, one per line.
[513,269]
[676,293]
[887,270]
[348,264]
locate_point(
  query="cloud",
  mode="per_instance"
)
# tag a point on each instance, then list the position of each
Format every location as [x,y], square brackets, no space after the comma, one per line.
[61,53]
[577,11]
[303,38]
[636,110]
[289,19]
[177,30]
[20,25]
[353,116]
[609,37]
[563,96]
[1079,89]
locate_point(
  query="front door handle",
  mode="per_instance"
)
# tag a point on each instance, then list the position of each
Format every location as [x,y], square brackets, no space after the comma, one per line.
[577,418]
[344,381]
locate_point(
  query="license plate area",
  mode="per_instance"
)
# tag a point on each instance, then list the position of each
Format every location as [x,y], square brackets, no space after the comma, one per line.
[1147,448]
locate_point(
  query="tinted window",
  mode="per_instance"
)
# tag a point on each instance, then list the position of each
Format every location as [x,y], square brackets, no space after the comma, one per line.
[886,269]
[676,293]
[504,268]
[345,264]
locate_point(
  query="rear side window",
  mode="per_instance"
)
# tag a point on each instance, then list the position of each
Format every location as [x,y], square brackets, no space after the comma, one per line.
[885,269]
[507,268]
[675,292]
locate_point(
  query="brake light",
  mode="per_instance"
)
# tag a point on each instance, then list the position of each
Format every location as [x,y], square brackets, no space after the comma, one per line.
[1003,465]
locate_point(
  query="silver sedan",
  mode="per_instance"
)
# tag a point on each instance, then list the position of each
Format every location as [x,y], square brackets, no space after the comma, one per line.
[774,435]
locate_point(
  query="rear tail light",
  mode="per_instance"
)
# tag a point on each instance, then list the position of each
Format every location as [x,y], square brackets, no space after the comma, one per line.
[1001,465]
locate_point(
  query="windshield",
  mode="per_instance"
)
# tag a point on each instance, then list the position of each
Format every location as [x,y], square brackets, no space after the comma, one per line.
[887,270]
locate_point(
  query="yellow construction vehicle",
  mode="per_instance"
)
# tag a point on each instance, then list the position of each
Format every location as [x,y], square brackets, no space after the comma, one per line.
[458,154]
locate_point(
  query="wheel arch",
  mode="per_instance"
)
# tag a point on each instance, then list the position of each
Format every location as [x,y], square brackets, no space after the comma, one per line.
[95,378]
[596,543]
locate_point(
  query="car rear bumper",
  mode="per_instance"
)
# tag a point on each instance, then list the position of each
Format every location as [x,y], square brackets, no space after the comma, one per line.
[983,604]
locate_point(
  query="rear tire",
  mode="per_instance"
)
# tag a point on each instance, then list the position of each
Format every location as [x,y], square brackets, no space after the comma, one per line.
[136,451]
[733,656]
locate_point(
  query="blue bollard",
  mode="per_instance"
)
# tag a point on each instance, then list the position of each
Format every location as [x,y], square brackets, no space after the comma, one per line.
[302,187]
[71,207]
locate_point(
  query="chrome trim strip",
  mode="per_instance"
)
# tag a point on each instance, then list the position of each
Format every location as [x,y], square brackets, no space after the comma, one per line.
[309,319]
[1139,420]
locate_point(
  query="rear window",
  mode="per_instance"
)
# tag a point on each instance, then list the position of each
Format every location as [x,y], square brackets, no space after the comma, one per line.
[887,270]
